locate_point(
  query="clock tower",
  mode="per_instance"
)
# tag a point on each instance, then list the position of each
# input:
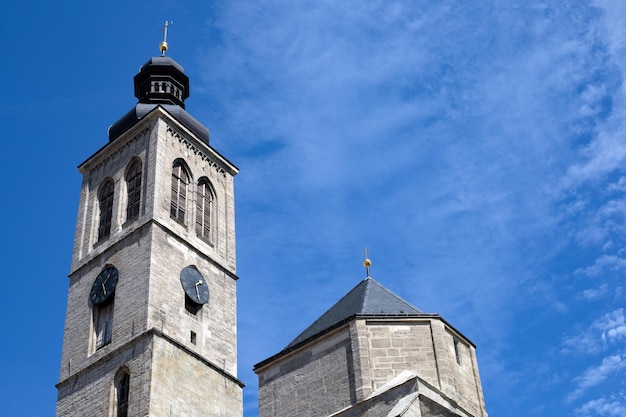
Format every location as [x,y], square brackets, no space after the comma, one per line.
[150,327]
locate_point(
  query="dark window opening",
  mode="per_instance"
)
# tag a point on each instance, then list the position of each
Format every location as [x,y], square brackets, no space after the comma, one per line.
[133,183]
[122,391]
[180,179]
[103,323]
[204,208]
[457,351]
[105,199]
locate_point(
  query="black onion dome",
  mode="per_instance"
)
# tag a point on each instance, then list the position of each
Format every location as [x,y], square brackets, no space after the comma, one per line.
[160,82]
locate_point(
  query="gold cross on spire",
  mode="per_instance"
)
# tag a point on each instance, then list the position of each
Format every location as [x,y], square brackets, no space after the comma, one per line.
[367,262]
[163,46]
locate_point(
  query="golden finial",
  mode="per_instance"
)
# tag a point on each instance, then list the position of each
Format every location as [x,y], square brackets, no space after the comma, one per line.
[367,262]
[163,46]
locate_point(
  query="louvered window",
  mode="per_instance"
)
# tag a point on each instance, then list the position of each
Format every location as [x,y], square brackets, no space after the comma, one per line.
[105,198]
[180,179]
[204,209]
[104,323]
[133,185]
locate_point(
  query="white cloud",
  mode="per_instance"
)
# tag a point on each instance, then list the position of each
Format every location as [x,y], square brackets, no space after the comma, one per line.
[619,186]
[606,330]
[612,325]
[459,142]
[611,406]
[597,374]
[595,293]
[606,152]
[602,264]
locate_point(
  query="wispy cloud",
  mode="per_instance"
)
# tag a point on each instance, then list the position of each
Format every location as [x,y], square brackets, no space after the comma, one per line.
[602,264]
[595,293]
[609,328]
[610,406]
[597,374]
[476,148]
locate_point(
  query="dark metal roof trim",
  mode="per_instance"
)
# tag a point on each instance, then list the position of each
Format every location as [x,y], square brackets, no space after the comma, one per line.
[141,109]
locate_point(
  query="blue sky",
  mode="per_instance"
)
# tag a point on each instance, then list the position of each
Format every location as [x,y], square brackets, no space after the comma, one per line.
[477,149]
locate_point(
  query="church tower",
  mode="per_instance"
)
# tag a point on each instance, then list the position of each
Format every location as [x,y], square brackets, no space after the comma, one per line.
[150,327]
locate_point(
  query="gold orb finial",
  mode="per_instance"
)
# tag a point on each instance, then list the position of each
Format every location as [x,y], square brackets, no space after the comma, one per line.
[163,47]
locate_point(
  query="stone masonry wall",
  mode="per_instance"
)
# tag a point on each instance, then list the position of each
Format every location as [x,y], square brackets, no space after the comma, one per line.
[214,324]
[176,246]
[92,393]
[186,387]
[459,377]
[426,347]
[130,309]
[390,347]
[315,381]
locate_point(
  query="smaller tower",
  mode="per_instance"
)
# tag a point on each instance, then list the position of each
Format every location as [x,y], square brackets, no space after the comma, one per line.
[373,354]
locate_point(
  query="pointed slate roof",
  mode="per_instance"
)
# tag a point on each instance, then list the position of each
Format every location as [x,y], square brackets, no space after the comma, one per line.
[368,298]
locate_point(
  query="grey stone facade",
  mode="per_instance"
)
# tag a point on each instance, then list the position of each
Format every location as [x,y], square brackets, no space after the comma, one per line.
[154,336]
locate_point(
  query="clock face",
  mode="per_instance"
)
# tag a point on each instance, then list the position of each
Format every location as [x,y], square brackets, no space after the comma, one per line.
[104,285]
[195,285]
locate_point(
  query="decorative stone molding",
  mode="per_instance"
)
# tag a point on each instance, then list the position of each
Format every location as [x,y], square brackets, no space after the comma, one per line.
[193,149]
[124,147]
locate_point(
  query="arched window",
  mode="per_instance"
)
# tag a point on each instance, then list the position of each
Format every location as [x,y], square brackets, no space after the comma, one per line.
[180,179]
[204,209]
[133,185]
[122,391]
[105,198]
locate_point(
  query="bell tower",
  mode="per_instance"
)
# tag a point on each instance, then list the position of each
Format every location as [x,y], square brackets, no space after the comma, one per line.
[150,327]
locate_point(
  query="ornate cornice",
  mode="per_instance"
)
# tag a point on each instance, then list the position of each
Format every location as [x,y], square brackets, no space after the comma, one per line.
[195,150]
[123,147]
